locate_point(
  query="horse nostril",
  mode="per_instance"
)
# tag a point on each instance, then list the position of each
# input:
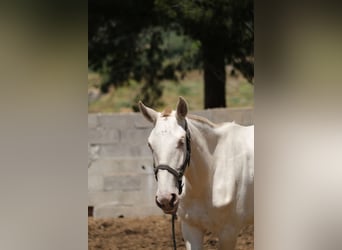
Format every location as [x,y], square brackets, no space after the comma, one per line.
[158,203]
[173,199]
[167,202]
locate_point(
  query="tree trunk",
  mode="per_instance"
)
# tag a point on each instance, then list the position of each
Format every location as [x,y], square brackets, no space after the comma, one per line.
[214,76]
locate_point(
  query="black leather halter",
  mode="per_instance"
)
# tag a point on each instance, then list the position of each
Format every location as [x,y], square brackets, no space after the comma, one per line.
[178,174]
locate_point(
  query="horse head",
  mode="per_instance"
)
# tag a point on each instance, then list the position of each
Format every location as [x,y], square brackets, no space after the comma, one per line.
[169,142]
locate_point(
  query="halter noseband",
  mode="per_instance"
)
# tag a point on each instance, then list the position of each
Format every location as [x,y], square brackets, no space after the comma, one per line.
[178,174]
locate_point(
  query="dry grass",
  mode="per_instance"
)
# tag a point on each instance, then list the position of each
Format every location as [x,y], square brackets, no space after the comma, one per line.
[239,93]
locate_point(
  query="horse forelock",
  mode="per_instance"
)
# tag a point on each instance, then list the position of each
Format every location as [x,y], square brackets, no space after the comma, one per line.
[167,112]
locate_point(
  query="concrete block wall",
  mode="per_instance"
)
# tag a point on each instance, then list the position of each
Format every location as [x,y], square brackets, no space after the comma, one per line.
[120,173]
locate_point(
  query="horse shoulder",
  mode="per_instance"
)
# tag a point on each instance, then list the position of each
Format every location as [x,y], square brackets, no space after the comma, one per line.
[231,161]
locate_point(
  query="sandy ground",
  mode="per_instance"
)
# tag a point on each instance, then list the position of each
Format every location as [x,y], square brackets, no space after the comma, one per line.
[153,232]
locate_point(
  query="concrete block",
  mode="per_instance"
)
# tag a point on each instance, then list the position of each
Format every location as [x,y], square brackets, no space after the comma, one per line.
[141,122]
[122,182]
[92,121]
[117,121]
[240,116]
[135,136]
[121,165]
[248,117]
[93,153]
[124,150]
[148,185]
[225,115]
[127,198]
[95,183]
[103,136]
[116,150]
[129,182]
[243,116]
[114,210]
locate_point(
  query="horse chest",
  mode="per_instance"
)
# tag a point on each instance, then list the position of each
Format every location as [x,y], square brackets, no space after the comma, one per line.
[202,215]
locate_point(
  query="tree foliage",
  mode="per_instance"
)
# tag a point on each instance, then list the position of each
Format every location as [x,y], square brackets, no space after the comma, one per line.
[226,32]
[153,40]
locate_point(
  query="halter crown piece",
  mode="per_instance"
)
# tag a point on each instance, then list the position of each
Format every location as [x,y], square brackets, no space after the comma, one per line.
[178,174]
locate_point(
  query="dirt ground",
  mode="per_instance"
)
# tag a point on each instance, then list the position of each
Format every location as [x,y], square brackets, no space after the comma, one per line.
[153,232]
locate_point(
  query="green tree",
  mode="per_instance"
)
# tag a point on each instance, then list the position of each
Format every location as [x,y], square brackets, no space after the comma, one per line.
[225,29]
[116,47]
[127,41]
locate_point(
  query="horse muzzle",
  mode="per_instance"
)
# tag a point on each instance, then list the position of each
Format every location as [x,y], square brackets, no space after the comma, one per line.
[168,203]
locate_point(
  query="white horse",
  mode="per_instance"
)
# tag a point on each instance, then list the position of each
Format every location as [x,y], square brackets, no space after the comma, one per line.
[218,168]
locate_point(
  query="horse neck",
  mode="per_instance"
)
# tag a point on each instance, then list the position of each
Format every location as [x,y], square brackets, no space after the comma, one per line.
[203,143]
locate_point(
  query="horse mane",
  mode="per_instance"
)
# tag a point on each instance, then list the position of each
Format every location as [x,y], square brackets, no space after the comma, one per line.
[167,112]
[202,120]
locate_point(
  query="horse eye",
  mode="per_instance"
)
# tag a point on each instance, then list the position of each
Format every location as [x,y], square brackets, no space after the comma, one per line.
[180,143]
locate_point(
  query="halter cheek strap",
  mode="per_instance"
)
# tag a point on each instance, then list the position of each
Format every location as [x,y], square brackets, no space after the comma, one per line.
[178,174]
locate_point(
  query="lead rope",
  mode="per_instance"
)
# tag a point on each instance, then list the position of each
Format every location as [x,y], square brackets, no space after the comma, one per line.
[180,186]
[173,232]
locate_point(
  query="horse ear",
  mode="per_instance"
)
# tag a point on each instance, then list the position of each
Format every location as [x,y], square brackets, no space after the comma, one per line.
[150,114]
[182,108]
